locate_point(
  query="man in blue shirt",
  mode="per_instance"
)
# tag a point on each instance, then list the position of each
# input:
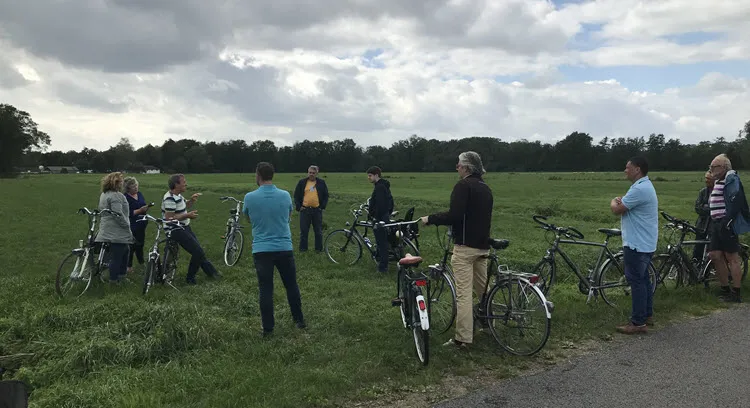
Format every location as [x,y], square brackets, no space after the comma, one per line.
[269,210]
[640,231]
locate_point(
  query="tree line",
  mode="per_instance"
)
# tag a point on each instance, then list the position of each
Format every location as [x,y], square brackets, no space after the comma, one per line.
[576,152]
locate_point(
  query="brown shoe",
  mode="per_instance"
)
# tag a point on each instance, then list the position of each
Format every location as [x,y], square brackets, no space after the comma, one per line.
[650,321]
[630,328]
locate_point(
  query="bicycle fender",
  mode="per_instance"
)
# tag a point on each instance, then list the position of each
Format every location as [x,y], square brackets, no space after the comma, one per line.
[424,319]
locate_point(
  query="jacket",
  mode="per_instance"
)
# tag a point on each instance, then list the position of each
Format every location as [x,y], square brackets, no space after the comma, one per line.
[703,210]
[738,214]
[113,229]
[470,213]
[320,185]
[381,201]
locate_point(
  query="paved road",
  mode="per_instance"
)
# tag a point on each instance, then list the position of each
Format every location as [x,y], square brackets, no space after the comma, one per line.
[700,363]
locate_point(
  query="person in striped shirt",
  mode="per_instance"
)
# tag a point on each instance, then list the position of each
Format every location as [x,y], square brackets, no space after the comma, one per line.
[729,219]
[174,207]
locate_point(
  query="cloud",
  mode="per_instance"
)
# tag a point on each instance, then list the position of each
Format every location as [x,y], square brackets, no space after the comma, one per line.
[92,71]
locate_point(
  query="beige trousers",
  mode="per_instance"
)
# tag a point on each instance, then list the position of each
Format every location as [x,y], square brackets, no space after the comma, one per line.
[469,269]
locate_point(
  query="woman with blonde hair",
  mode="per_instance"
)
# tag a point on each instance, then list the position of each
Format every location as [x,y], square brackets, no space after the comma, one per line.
[137,207]
[115,230]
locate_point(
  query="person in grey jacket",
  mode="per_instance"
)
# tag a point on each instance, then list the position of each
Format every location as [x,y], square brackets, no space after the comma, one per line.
[113,229]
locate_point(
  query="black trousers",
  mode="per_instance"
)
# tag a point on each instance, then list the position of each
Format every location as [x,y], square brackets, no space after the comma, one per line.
[312,216]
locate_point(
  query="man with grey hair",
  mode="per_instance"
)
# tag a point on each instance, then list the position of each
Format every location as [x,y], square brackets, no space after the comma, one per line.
[174,207]
[310,199]
[729,218]
[470,217]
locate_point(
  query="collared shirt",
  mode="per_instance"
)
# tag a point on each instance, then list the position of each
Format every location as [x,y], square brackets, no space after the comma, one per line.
[269,209]
[174,203]
[640,224]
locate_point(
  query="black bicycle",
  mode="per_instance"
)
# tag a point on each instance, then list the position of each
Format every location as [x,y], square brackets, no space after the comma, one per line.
[606,278]
[160,270]
[675,268]
[344,246]
[89,259]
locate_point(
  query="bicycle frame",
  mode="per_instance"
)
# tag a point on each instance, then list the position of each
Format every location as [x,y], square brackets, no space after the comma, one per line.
[586,281]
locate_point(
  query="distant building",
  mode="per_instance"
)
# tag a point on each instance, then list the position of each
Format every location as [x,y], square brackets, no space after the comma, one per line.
[151,170]
[62,169]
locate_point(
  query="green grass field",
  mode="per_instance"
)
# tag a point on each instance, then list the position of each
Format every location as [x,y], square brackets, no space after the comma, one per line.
[201,347]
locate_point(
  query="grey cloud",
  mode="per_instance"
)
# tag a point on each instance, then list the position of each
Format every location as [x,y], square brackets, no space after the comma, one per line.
[10,78]
[114,36]
[75,94]
[257,95]
[152,36]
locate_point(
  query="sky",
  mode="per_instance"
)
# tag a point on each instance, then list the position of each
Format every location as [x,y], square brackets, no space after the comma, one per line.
[90,72]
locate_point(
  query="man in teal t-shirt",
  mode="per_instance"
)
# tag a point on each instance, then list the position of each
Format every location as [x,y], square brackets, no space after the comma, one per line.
[269,210]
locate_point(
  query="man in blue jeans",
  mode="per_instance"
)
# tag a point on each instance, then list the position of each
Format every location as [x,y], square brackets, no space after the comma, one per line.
[269,210]
[639,209]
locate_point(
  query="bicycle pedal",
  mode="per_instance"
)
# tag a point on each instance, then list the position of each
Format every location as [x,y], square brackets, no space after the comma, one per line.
[396,302]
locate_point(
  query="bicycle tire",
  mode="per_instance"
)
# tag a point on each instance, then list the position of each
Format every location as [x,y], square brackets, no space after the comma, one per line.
[609,295]
[83,260]
[439,289]
[421,336]
[349,239]
[509,317]
[546,279]
[232,241]
[169,263]
[148,278]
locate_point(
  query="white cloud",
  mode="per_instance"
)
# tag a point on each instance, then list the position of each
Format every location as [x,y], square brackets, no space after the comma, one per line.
[285,71]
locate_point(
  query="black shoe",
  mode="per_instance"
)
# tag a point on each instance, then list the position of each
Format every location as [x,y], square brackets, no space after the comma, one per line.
[266,333]
[301,324]
[217,275]
[191,281]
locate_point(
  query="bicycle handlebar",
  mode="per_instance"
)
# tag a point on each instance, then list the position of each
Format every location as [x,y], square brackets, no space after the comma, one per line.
[678,222]
[569,232]
[227,198]
[162,221]
[84,210]
[382,224]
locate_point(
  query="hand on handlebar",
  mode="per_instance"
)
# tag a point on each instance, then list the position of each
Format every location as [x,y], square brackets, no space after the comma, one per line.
[425,220]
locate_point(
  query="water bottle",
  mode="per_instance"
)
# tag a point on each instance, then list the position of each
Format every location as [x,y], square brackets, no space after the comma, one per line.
[368,243]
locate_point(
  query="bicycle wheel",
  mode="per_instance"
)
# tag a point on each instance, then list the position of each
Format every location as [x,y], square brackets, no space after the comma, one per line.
[421,336]
[545,269]
[442,303]
[152,269]
[233,247]
[670,273]
[518,317]
[708,273]
[343,247]
[74,273]
[169,264]
[617,289]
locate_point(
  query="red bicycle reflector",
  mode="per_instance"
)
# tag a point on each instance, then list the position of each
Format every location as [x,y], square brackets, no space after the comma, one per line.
[422,305]
[421,282]
[534,279]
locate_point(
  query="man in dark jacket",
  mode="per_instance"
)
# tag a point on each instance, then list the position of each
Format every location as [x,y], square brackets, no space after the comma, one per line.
[380,209]
[310,199]
[704,216]
[470,217]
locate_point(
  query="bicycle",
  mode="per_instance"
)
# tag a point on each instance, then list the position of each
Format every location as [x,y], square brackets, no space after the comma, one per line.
[677,267]
[415,310]
[603,279]
[157,269]
[443,307]
[521,306]
[90,257]
[235,240]
[337,242]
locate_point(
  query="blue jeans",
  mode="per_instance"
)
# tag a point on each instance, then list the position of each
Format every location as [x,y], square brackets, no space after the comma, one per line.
[636,272]
[118,261]
[284,262]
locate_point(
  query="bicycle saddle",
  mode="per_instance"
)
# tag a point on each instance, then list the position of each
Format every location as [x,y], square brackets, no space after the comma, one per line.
[409,259]
[499,243]
[610,232]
